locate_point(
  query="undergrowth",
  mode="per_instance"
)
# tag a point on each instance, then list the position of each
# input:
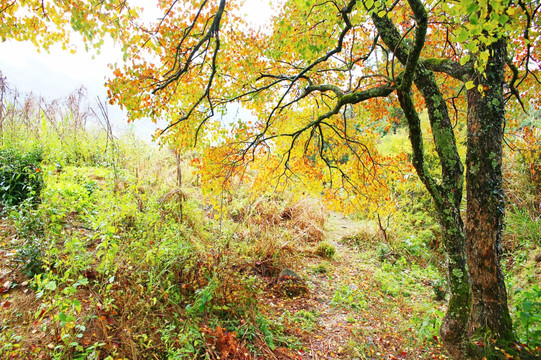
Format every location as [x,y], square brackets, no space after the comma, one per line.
[106,254]
[108,265]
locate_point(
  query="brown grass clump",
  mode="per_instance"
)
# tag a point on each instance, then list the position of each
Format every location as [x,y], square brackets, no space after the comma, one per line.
[222,344]
[368,235]
[265,213]
[306,219]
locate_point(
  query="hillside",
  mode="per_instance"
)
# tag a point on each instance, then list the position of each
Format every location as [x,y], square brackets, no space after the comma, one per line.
[105,253]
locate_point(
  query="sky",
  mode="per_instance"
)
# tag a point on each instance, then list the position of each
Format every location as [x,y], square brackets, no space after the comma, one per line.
[58,73]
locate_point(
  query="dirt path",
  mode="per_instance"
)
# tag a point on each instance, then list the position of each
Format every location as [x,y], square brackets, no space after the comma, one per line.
[336,320]
[352,310]
[329,312]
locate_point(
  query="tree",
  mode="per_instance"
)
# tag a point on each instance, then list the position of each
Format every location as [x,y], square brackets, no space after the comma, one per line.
[320,61]
[45,23]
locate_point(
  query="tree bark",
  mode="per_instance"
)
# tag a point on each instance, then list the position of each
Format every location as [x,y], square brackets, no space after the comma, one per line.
[454,327]
[447,197]
[485,199]
[447,193]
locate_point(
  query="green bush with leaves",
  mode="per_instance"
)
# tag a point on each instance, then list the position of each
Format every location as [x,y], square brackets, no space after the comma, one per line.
[20,176]
[528,311]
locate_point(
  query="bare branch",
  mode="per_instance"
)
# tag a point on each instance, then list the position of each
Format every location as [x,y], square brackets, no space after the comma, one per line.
[212,32]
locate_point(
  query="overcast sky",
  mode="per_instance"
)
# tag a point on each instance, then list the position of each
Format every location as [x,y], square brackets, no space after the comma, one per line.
[58,73]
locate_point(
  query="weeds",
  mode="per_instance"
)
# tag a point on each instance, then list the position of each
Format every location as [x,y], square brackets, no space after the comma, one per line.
[326,250]
[20,176]
[118,269]
[528,308]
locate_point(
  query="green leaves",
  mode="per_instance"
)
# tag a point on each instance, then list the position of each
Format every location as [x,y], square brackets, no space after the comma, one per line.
[462,36]
[503,19]
[20,176]
[484,56]
[479,25]
[471,7]
[51,285]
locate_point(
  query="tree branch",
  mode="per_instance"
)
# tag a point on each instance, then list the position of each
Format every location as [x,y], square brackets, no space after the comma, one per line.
[449,67]
[211,32]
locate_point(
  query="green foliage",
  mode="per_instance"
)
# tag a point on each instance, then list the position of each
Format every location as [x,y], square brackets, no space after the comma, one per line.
[321,268]
[30,255]
[20,176]
[349,296]
[524,228]
[528,310]
[303,319]
[386,254]
[181,341]
[30,228]
[272,332]
[326,250]
[440,289]
[429,324]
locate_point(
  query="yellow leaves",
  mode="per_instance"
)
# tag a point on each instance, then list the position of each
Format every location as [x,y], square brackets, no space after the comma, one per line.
[47,23]
[484,56]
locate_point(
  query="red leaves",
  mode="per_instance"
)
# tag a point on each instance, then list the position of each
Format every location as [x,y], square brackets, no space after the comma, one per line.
[5,286]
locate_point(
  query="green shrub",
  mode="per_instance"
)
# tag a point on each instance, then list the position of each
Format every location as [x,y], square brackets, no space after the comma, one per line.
[30,256]
[349,296]
[326,250]
[320,268]
[523,227]
[528,311]
[20,176]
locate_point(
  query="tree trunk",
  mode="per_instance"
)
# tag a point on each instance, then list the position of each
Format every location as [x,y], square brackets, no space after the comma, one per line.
[482,237]
[485,200]
[447,196]
[454,327]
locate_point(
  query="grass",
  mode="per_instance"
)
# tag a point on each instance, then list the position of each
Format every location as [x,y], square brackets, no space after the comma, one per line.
[116,260]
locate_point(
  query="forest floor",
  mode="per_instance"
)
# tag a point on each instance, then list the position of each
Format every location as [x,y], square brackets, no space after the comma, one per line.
[352,310]
[347,313]
[363,300]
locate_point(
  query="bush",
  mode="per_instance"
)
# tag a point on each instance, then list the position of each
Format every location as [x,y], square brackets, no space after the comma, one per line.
[31,257]
[20,176]
[326,250]
[528,322]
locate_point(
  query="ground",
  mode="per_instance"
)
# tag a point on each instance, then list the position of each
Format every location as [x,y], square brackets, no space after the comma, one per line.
[347,314]
[358,305]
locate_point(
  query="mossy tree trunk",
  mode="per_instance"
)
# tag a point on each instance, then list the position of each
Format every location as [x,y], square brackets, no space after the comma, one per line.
[447,196]
[485,206]
[446,187]
[472,250]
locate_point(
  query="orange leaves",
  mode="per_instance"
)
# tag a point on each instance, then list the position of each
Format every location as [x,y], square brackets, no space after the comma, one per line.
[222,344]
[117,72]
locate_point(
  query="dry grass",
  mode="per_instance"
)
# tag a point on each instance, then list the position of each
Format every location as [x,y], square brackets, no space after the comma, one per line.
[306,219]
